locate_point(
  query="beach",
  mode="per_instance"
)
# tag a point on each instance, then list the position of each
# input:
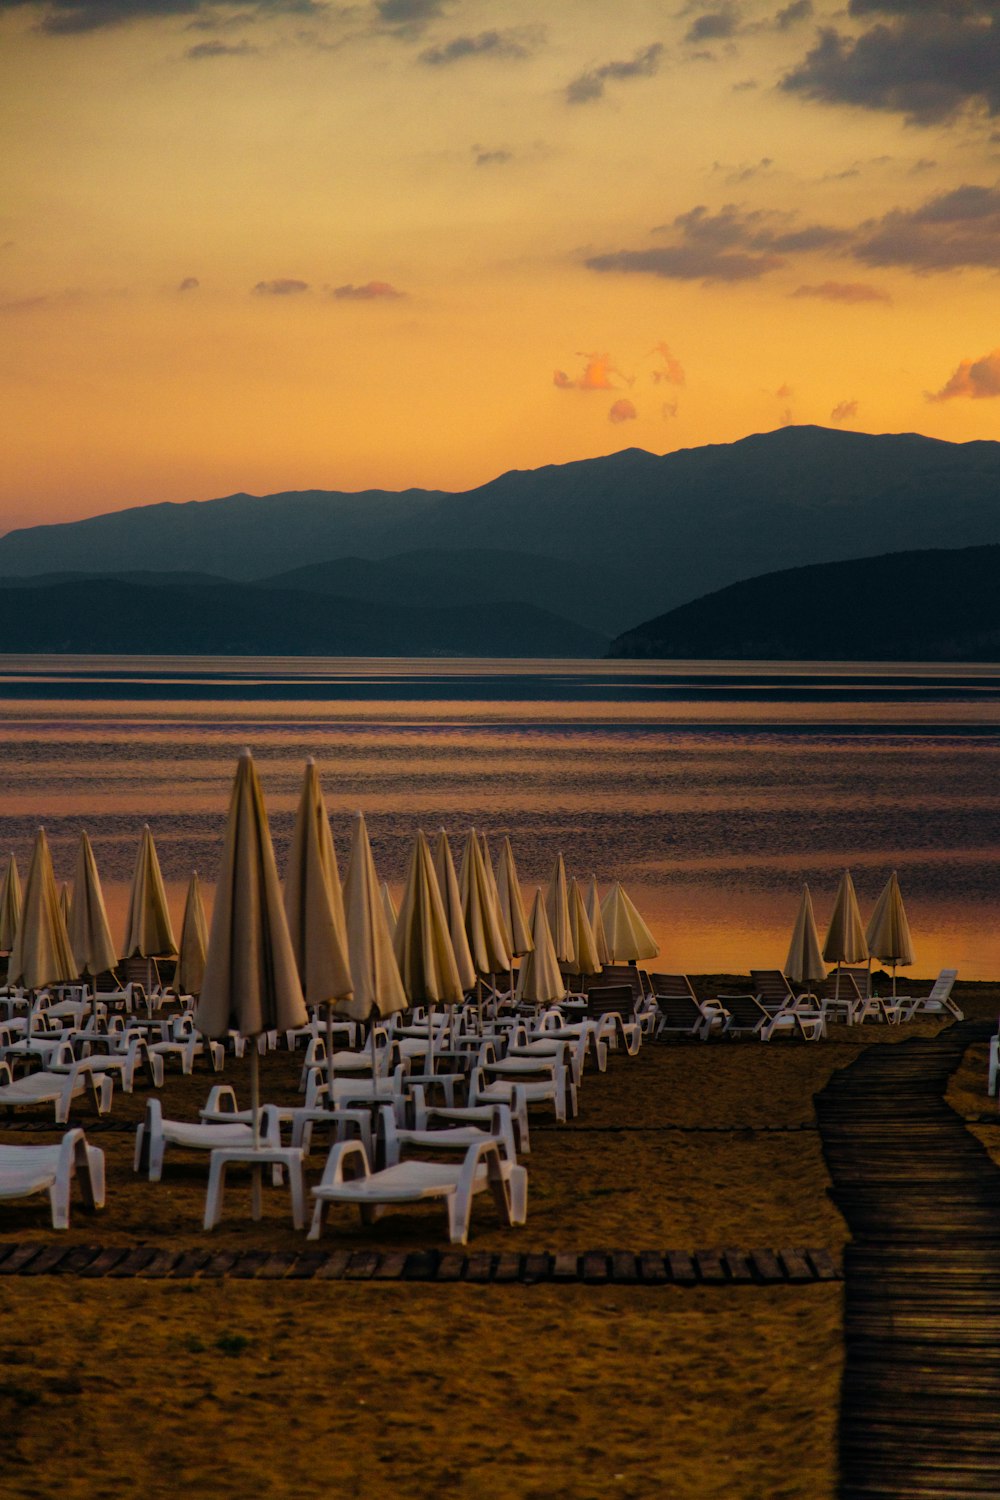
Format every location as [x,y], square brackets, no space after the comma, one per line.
[493,1390]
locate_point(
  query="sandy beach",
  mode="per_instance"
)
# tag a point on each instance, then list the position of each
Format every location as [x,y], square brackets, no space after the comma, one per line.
[469,1390]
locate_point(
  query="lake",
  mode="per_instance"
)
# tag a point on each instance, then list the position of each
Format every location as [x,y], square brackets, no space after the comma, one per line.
[712,789]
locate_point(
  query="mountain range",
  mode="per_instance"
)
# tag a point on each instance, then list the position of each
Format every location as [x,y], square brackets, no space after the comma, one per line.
[935,605]
[578,552]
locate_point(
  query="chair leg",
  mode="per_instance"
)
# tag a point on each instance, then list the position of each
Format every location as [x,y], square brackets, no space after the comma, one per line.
[318,1218]
[214,1195]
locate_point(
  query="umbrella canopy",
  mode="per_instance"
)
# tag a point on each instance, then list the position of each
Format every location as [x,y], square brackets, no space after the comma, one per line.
[540,980]
[10,905]
[194,941]
[422,944]
[41,953]
[251,981]
[148,932]
[804,964]
[593,904]
[314,904]
[627,935]
[845,938]
[389,907]
[491,880]
[483,923]
[512,911]
[557,911]
[888,933]
[89,929]
[64,902]
[587,960]
[377,985]
[451,898]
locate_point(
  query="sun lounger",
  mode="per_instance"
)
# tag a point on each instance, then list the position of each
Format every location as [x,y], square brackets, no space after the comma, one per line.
[58,1089]
[449,1130]
[25,1170]
[938,1002]
[612,1006]
[155,1134]
[348,1178]
[746,1017]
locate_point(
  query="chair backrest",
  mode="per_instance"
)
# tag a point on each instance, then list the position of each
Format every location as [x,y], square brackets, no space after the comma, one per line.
[619,998]
[943,984]
[772,986]
[680,1010]
[848,986]
[671,986]
[615,974]
[746,1011]
[863,979]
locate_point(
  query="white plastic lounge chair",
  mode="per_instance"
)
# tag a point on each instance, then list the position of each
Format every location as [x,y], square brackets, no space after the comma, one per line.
[58,1089]
[348,1178]
[121,1063]
[938,1002]
[25,1170]
[540,1082]
[746,1017]
[155,1134]
[186,1044]
[449,1130]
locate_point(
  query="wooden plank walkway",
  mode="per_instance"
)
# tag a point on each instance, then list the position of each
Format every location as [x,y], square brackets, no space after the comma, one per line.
[920,1401]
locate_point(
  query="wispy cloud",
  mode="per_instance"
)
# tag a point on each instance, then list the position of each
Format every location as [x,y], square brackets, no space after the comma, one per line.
[281,286]
[514,43]
[975,380]
[189,284]
[590,85]
[371,291]
[599,374]
[843,291]
[844,411]
[951,230]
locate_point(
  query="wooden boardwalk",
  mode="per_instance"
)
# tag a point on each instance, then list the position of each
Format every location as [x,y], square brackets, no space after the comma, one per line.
[920,1402]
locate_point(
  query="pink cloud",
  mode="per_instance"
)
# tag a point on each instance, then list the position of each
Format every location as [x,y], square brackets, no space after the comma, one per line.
[370,292]
[976,379]
[622,411]
[843,291]
[844,411]
[599,374]
[672,372]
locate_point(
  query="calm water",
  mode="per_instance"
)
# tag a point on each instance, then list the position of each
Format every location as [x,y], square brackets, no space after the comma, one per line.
[711,789]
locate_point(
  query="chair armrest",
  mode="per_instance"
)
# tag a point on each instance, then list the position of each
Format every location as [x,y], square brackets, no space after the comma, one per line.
[348,1160]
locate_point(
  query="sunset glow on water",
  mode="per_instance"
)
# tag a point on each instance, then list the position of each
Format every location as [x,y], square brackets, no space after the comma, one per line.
[711,790]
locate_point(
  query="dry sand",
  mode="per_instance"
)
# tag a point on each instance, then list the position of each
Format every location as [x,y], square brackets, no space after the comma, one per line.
[223,1388]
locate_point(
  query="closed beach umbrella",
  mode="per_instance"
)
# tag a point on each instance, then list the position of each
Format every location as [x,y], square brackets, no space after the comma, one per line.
[845,938]
[593,904]
[64,902]
[41,953]
[89,928]
[422,943]
[10,905]
[491,882]
[628,937]
[557,911]
[451,899]
[251,981]
[389,906]
[804,964]
[194,941]
[888,934]
[512,911]
[587,960]
[483,923]
[148,931]
[374,971]
[314,903]
[540,980]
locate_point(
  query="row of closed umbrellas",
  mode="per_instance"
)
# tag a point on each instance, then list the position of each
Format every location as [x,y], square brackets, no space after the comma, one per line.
[344,947]
[848,940]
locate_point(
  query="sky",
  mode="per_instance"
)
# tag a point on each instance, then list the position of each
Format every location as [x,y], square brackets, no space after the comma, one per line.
[258,245]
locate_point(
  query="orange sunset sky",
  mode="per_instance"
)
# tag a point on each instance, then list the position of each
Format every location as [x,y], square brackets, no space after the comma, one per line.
[261,246]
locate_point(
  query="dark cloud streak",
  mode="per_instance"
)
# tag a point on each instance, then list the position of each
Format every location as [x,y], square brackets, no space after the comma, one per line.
[590,85]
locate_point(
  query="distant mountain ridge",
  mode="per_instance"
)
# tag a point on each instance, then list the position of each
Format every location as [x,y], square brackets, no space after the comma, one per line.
[935,605]
[627,536]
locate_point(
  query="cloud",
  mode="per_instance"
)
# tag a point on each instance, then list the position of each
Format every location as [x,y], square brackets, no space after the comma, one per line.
[668,410]
[372,291]
[784,392]
[485,158]
[799,10]
[622,411]
[282,286]
[950,230]
[843,291]
[844,411]
[672,371]
[189,284]
[513,43]
[731,245]
[975,379]
[221,49]
[71,17]
[408,15]
[590,85]
[599,374]
[745,171]
[714,25]
[926,59]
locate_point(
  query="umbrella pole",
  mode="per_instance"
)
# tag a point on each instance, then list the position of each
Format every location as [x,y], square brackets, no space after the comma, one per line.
[372,1021]
[257,1206]
[430,1038]
[479,1001]
[894,983]
[329,1055]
